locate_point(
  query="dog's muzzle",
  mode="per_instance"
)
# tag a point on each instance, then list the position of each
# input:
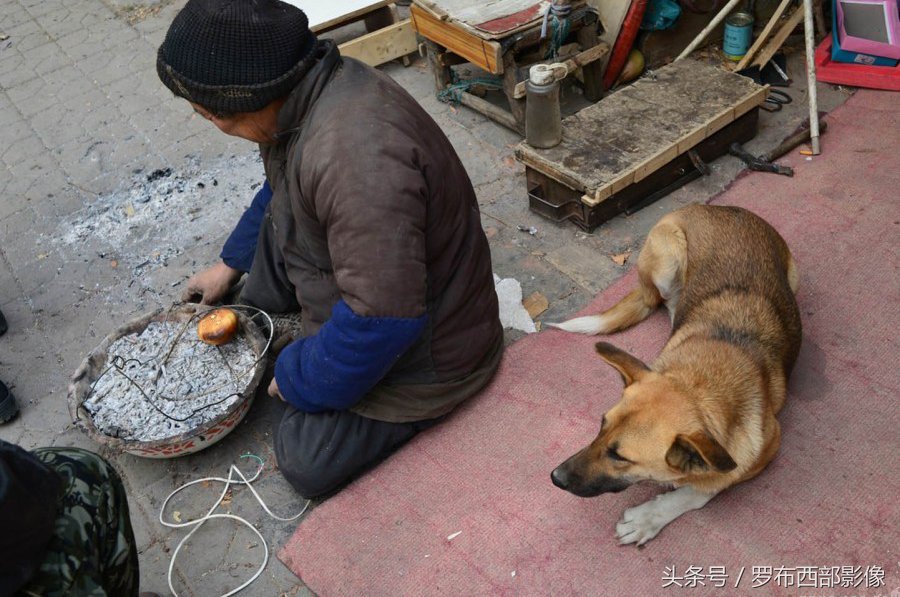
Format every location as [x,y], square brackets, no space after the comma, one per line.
[564,478]
[560,478]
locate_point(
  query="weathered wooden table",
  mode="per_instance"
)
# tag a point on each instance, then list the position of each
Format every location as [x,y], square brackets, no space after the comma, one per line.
[640,143]
[503,37]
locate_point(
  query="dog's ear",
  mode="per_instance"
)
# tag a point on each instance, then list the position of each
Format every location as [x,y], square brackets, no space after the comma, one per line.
[699,451]
[631,368]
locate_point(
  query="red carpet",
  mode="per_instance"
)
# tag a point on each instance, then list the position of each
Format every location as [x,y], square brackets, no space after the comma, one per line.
[829,500]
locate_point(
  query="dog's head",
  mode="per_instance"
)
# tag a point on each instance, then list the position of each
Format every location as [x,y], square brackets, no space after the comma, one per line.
[651,434]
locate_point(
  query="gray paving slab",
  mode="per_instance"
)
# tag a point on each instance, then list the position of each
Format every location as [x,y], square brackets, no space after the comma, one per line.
[84,120]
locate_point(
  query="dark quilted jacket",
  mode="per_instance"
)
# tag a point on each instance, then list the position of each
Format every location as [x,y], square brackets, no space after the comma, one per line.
[372,205]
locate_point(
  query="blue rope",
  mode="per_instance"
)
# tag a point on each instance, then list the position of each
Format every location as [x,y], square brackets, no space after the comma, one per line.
[557,20]
[453,93]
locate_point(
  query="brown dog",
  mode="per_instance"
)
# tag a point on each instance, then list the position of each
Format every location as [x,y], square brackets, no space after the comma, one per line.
[702,417]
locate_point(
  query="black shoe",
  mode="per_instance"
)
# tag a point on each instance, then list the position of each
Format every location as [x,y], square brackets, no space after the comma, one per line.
[8,407]
[3,326]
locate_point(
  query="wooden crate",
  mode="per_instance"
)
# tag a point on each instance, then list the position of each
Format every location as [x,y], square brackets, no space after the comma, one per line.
[388,37]
[612,153]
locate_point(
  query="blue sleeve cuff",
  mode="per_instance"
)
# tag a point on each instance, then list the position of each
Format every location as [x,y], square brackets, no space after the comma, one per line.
[239,249]
[335,368]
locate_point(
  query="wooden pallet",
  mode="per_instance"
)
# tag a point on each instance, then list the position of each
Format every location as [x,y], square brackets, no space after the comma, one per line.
[612,149]
[388,37]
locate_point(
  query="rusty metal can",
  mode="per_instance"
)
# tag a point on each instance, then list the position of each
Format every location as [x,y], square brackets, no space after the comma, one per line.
[738,33]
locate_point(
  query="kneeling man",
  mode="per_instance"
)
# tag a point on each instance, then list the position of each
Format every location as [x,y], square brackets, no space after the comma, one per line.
[368,223]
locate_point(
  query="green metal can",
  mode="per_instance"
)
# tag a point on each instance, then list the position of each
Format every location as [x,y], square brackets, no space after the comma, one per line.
[738,33]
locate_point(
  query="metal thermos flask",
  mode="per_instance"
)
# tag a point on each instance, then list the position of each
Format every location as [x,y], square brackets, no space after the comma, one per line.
[543,122]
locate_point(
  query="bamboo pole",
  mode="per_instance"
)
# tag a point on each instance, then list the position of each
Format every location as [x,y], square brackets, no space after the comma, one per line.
[811,76]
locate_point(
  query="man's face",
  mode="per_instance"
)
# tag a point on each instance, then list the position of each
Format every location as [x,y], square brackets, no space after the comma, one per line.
[253,126]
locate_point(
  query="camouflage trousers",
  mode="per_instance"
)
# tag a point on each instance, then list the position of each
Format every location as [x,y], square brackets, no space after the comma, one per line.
[92,551]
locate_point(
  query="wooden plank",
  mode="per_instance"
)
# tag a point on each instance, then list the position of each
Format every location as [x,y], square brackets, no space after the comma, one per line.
[763,35]
[439,68]
[554,170]
[701,88]
[577,61]
[719,121]
[502,26]
[751,101]
[592,70]
[430,8]
[383,45]
[627,136]
[488,109]
[480,52]
[460,13]
[475,12]
[690,140]
[778,39]
[535,304]
[328,15]
[558,202]
[510,80]
[694,137]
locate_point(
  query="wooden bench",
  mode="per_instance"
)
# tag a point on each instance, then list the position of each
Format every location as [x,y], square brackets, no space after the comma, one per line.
[640,143]
[503,38]
[388,36]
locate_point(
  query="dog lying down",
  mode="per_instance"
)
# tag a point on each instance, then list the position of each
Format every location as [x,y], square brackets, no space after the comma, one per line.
[701,417]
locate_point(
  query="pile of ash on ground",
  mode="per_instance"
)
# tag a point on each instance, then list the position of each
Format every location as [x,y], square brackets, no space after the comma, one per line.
[188,380]
[160,214]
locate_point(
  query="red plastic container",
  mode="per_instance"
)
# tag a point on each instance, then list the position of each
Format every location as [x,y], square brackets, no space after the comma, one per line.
[856,75]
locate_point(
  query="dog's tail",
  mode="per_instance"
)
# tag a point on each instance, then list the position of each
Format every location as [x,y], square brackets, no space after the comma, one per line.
[635,307]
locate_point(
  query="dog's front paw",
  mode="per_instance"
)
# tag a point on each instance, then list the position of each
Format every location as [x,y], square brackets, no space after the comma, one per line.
[640,524]
[644,522]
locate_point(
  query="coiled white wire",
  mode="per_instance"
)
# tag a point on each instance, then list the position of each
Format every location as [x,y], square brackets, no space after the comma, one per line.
[199,522]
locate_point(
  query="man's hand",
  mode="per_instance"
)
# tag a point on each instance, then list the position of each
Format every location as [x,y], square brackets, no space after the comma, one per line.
[274,392]
[209,286]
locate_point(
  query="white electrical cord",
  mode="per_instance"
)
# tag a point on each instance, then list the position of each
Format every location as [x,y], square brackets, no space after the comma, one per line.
[197,523]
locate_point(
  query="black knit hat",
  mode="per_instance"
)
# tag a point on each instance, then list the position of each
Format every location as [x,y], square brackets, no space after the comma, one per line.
[235,55]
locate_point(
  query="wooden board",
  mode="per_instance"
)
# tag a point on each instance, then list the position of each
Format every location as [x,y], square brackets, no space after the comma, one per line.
[558,202]
[476,12]
[481,52]
[327,15]
[627,136]
[531,16]
[384,45]
[779,38]
[761,38]
[491,19]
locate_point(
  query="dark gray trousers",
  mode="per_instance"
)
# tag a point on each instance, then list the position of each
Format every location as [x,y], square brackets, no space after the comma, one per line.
[317,453]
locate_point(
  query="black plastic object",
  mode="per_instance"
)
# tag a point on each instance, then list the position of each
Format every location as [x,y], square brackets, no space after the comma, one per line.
[769,75]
